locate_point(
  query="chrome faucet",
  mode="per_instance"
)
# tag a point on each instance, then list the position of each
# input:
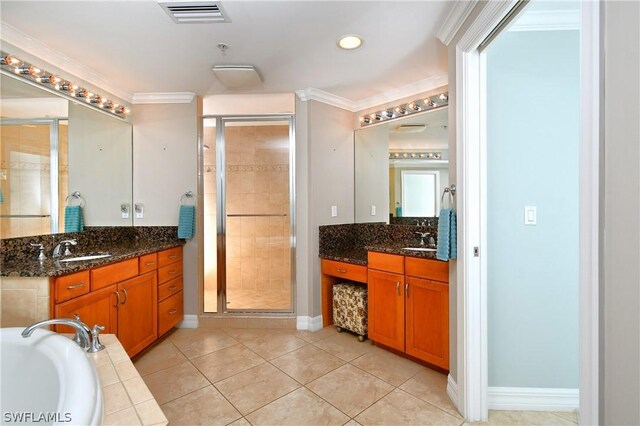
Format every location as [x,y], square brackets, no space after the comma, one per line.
[423,235]
[84,341]
[66,243]
[40,247]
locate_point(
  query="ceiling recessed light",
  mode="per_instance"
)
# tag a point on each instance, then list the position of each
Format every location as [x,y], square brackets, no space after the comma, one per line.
[350,42]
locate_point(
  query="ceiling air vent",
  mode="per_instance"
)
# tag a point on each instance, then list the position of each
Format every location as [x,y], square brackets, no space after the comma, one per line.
[194,12]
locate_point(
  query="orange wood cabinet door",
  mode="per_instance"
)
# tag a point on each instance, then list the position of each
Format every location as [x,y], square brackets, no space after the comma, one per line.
[386,308]
[138,312]
[98,307]
[427,305]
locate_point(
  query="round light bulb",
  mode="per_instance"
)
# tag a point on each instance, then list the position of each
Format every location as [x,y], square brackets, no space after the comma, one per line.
[350,41]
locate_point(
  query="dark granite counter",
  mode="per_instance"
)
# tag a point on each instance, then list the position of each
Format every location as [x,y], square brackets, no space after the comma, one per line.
[398,248]
[18,259]
[352,255]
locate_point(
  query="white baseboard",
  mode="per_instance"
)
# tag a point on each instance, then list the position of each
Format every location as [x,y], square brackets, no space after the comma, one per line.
[309,323]
[533,399]
[189,321]
[452,391]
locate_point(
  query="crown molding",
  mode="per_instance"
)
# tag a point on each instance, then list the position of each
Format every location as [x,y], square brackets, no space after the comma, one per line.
[48,56]
[547,20]
[459,13]
[484,23]
[393,95]
[313,94]
[163,98]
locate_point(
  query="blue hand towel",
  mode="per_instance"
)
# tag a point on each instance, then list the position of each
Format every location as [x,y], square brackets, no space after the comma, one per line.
[187,222]
[447,235]
[73,219]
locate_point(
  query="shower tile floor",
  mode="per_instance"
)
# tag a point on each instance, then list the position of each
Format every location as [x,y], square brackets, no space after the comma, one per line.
[211,376]
[249,299]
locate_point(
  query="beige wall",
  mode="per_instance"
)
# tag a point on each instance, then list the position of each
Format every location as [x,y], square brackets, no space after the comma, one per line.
[23,300]
[165,164]
[621,318]
[324,155]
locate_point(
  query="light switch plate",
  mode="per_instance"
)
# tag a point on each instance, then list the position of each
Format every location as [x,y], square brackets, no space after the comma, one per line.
[139,208]
[530,215]
[334,211]
[373,210]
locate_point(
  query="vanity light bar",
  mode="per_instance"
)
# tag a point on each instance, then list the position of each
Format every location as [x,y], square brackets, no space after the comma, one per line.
[407,155]
[432,102]
[36,75]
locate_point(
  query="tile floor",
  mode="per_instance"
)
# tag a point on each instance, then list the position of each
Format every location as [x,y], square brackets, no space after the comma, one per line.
[211,376]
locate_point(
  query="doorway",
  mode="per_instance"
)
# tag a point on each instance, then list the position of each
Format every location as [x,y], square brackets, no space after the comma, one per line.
[248,214]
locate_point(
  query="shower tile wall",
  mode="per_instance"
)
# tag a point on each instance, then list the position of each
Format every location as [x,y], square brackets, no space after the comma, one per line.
[258,254]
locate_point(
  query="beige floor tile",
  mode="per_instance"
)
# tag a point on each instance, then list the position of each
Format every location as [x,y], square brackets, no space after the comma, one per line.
[525,418]
[299,408]
[162,356]
[115,398]
[150,413]
[314,336]
[345,346]
[273,345]
[307,363]
[400,408]
[174,382]
[123,417]
[431,386]
[245,334]
[568,415]
[201,341]
[126,370]
[240,422]
[387,366]
[256,387]
[137,390]
[352,423]
[227,362]
[350,389]
[202,407]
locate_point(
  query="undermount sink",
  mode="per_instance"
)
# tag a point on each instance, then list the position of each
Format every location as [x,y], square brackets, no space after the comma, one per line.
[89,257]
[419,249]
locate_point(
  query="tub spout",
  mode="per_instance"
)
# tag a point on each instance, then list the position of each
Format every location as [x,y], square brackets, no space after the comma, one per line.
[84,341]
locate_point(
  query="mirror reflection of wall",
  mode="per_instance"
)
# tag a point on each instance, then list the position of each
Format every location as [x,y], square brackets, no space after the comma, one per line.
[402,168]
[48,146]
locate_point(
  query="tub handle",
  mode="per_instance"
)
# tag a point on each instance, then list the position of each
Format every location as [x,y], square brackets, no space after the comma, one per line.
[126,296]
[173,311]
[117,299]
[74,286]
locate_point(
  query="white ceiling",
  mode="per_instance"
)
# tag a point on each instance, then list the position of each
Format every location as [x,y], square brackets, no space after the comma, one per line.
[136,47]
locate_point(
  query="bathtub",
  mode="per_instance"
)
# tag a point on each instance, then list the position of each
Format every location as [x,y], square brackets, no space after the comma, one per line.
[47,379]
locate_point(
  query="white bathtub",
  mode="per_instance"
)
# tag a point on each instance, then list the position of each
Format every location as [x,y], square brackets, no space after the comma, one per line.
[47,379]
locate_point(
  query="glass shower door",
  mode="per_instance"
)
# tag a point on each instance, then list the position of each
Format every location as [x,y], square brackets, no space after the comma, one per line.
[257,214]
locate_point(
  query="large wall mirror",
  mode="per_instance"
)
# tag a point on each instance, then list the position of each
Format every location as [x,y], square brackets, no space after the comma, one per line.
[52,148]
[402,168]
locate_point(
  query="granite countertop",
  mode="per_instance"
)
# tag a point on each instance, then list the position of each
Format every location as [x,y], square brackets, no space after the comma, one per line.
[53,268]
[358,255]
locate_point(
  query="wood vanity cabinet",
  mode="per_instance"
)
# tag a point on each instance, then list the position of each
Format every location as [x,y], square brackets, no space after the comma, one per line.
[126,297]
[409,306]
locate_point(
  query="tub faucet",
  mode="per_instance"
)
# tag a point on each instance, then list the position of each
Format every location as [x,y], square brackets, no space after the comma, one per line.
[84,341]
[66,243]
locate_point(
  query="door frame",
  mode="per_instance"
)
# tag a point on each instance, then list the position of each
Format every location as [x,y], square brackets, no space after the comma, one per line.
[471,292]
[220,177]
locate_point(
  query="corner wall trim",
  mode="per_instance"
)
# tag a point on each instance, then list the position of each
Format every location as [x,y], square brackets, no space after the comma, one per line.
[163,98]
[452,391]
[533,399]
[454,20]
[189,321]
[309,323]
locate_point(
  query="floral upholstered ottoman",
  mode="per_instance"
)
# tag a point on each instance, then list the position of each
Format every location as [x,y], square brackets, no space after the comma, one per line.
[350,308]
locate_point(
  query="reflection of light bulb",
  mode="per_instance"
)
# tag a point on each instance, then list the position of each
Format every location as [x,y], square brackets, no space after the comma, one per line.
[443,97]
[9,60]
[30,70]
[49,79]
[429,103]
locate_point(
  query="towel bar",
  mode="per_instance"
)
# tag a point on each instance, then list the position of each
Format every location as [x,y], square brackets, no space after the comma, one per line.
[75,195]
[188,194]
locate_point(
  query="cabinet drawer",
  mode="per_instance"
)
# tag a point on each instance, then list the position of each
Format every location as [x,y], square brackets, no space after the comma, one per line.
[169,288]
[148,262]
[111,274]
[71,286]
[169,272]
[169,313]
[386,262]
[344,270]
[427,268]
[166,257]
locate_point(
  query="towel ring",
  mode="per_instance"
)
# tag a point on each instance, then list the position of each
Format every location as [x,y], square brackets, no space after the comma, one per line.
[188,194]
[74,195]
[451,190]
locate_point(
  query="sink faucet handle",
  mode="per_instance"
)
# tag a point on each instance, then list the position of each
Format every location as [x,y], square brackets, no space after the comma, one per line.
[96,346]
[40,246]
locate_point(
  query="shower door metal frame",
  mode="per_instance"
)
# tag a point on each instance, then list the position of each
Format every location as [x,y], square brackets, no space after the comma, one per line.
[221,214]
[54,162]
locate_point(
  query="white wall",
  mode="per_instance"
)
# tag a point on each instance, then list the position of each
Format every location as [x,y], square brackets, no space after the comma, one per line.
[621,249]
[165,164]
